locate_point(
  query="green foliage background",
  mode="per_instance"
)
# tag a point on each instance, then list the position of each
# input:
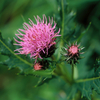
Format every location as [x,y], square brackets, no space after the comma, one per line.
[77,16]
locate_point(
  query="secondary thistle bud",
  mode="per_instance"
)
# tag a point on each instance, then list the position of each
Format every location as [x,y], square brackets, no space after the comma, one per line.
[41,65]
[73,53]
[37,66]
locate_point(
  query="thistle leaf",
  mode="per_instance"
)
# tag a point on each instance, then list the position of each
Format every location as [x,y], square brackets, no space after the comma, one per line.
[18,61]
[86,86]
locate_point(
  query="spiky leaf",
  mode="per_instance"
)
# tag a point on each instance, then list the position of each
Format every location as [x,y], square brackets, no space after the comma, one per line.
[24,63]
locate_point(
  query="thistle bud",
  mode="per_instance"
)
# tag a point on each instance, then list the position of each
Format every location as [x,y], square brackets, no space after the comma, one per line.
[73,53]
[37,66]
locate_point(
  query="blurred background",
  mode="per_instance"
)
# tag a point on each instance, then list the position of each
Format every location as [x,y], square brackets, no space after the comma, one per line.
[12,15]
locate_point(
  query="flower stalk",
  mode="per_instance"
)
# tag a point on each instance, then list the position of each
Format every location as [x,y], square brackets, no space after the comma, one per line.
[72,65]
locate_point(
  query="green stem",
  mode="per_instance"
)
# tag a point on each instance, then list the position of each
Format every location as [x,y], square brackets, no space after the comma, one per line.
[15,54]
[62,4]
[63,73]
[84,80]
[72,70]
[62,30]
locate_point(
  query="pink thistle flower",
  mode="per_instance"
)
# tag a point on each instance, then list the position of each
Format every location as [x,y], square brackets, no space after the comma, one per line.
[73,52]
[37,66]
[37,39]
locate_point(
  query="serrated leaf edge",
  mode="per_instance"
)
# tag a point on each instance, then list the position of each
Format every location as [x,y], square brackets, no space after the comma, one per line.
[26,62]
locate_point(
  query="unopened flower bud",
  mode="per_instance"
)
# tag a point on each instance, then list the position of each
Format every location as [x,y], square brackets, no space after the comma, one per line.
[73,53]
[37,66]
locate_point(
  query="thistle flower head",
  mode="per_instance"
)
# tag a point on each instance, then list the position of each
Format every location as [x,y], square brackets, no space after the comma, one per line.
[73,53]
[37,39]
[73,50]
[37,66]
